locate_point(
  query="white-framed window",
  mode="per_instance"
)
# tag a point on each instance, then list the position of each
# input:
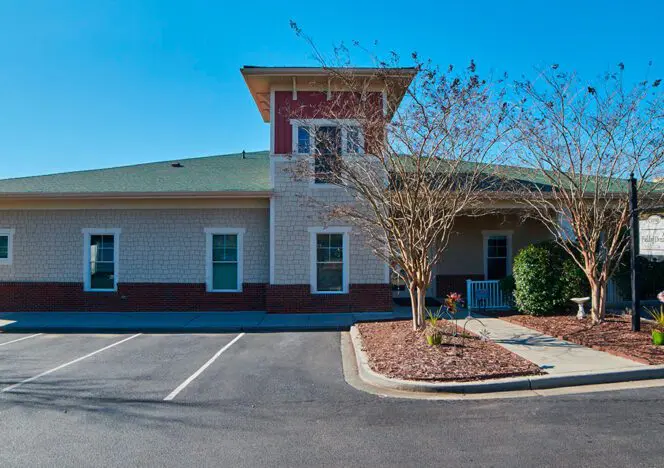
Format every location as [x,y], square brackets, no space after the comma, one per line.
[327,136]
[329,260]
[327,140]
[6,246]
[101,254]
[497,254]
[224,259]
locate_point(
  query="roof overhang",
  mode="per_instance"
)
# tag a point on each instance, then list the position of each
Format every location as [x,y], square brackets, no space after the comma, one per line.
[134,195]
[261,80]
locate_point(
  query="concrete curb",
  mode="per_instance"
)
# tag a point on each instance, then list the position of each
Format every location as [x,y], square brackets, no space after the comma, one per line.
[173,330]
[539,382]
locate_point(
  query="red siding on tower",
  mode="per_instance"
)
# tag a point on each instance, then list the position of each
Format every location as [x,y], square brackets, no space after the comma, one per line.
[309,105]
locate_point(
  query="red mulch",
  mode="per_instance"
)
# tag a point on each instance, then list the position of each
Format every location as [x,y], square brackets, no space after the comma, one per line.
[397,351]
[614,335]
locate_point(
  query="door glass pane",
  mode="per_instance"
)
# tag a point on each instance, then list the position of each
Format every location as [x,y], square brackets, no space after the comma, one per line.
[496,268]
[496,257]
[497,246]
[224,276]
[329,277]
[4,246]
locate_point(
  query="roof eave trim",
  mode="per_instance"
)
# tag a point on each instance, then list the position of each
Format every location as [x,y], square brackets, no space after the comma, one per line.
[324,71]
[136,195]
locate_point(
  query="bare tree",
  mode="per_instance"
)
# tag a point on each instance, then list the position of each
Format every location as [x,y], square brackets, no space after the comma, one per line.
[425,159]
[583,141]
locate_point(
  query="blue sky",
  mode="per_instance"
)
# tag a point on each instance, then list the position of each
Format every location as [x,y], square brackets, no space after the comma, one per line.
[87,84]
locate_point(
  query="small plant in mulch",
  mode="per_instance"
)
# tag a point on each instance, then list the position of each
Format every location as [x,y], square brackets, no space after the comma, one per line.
[433,331]
[658,318]
[453,301]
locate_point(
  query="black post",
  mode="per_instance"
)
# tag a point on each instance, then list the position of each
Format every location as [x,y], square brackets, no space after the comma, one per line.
[634,250]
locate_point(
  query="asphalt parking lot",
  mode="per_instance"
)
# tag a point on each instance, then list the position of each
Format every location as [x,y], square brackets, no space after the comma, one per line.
[281,400]
[146,367]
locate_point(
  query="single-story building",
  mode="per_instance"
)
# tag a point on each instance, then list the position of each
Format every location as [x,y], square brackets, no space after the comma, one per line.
[219,233]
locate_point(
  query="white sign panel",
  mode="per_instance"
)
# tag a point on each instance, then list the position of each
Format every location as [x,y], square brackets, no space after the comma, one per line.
[651,236]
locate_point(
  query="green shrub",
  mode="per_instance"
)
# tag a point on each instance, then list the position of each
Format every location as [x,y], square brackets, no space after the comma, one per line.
[507,286]
[545,279]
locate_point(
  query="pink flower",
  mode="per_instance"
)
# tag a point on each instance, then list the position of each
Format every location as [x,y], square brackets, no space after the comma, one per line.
[660,296]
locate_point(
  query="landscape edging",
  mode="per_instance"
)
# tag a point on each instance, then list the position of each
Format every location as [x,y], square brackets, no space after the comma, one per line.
[540,382]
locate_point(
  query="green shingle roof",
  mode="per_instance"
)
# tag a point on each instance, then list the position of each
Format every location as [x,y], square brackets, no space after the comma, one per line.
[225,173]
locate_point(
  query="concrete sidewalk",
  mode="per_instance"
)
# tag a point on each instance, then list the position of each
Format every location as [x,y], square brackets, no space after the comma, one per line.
[183,322]
[551,354]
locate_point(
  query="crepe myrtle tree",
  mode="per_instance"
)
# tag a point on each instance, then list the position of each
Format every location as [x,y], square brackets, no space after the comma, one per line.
[582,141]
[415,167]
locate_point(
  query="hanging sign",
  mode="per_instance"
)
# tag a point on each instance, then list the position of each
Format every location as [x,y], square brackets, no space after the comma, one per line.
[651,236]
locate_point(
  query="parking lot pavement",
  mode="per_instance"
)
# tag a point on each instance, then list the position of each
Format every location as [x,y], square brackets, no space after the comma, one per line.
[195,368]
[20,360]
[118,367]
[281,400]
[7,339]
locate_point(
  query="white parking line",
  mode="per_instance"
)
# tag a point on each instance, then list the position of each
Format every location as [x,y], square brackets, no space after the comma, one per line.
[191,378]
[62,366]
[20,339]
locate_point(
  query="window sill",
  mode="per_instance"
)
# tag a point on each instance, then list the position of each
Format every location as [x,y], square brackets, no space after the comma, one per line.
[325,293]
[100,290]
[215,291]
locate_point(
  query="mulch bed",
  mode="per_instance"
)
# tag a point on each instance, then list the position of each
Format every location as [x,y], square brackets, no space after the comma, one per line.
[614,335]
[395,350]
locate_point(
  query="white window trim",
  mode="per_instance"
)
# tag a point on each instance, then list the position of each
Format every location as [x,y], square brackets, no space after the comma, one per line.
[209,232]
[485,243]
[10,246]
[87,233]
[345,269]
[314,123]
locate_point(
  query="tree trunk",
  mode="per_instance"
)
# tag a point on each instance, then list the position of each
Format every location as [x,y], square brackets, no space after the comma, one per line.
[598,300]
[603,290]
[412,290]
[421,305]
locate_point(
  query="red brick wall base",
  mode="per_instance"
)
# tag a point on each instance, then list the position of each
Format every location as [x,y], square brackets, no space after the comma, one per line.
[130,297]
[297,298]
[177,297]
[446,284]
